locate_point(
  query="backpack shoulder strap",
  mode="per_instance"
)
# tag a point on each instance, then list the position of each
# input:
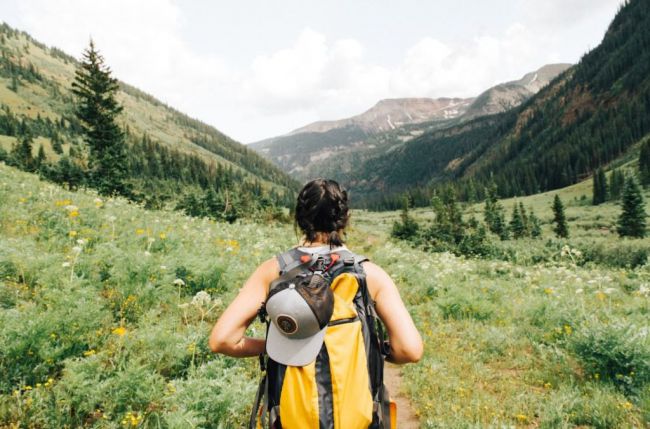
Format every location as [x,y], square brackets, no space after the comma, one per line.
[289,260]
[351,259]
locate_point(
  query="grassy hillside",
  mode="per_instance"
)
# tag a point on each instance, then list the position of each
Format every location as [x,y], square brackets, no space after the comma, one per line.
[35,84]
[106,308]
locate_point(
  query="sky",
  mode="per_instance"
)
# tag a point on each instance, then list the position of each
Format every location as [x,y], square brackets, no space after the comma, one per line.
[257,68]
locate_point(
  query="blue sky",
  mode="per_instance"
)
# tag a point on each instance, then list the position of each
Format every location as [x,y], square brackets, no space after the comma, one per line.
[256,69]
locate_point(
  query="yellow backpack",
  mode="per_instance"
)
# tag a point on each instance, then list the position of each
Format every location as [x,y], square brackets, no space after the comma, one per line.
[343,388]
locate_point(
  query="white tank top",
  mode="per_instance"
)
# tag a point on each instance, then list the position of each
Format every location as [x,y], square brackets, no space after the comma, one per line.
[320,249]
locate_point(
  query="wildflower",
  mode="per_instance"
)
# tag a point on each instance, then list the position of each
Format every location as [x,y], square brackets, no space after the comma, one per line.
[147,253]
[579,291]
[139,231]
[98,202]
[609,290]
[201,298]
[522,418]
[65,264]
[179,282]
[81,242]
[163,267]
[72,233]
[73,214]
[119,331]
[627,405]
[151,239]
[111,218]
[162,235]
[548,291]
[600,295]
[89,352]
[76,249]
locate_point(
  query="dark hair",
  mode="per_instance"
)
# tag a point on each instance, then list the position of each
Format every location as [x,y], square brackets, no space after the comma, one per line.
[322,206]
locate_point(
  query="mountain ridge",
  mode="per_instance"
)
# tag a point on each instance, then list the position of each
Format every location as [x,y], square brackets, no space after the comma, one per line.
[387,125]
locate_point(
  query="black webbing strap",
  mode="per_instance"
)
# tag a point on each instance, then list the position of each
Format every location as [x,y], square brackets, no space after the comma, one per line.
[252,423]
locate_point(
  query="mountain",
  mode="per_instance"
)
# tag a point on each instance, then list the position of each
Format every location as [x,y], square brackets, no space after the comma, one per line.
[171,153]
[389,114]
[587,117]
[511,94]
[387,125]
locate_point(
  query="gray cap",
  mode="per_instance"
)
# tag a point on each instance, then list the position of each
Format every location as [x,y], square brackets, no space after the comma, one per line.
[295,335]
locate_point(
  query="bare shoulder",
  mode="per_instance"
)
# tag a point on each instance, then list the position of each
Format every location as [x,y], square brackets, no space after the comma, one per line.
[265,272]
[377,278]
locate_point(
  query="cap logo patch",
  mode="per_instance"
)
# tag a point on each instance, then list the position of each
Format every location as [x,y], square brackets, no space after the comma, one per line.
[286,324]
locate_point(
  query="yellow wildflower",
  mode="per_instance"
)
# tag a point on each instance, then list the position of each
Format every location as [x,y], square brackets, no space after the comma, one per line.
[139,231]
[162,235]
[522,418]
[120,331]
[74,213]
[72,233]
[89,352]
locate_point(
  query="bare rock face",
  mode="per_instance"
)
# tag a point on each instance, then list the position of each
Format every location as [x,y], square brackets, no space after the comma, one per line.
[511,94]
[392,113]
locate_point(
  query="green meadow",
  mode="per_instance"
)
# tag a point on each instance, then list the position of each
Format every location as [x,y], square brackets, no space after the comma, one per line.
[106,308]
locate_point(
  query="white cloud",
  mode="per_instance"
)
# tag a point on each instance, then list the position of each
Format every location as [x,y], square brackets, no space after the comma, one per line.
[312,78]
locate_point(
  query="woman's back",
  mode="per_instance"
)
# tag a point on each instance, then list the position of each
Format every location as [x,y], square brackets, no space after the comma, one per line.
[309,335]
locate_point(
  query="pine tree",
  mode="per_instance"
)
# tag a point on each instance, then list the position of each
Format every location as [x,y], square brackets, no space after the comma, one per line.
[517,224]
[632,220]
[493,213]
[616,183]
[407,227]
[40,158]
[561,229]
[97,109]
[644,163]
[21,153]
[600,187]
[524,218]
[535,225]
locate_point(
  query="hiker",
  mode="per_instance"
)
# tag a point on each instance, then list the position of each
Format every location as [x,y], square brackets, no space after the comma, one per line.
[321,303]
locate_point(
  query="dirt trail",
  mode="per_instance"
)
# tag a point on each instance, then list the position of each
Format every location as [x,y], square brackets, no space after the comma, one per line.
[406,417]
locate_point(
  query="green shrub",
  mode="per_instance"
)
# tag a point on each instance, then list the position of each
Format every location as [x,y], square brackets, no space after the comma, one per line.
[617,353]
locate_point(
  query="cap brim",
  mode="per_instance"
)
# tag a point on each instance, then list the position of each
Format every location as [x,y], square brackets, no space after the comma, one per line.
[293,352]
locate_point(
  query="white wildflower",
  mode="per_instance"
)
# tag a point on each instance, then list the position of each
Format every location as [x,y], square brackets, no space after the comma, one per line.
[76,249]
[179,282]
[65,264]
[201,299]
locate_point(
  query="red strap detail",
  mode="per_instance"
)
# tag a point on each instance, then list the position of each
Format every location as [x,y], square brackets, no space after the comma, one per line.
[305,258]
[335,257]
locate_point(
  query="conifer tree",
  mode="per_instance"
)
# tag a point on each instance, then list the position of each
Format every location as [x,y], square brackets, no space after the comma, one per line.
[517,224]
[561,229]
[644,163]
[535,225]
[599,187]
[524,218]
[40,158]
[616,183]
[407,227]
[493,213]
[21,153]
[97,109]
[632,220]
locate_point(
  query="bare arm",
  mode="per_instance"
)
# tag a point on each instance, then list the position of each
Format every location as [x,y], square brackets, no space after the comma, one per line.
[405,340]
[227,335]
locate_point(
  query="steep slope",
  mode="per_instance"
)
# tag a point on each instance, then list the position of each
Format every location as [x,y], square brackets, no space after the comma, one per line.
[35,86]
[511,94]
[588,116]
[333,148]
